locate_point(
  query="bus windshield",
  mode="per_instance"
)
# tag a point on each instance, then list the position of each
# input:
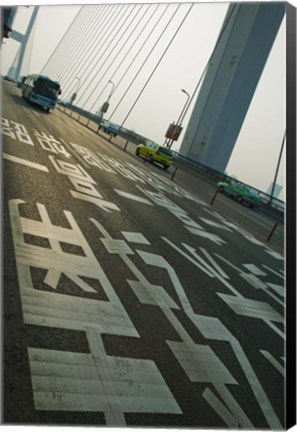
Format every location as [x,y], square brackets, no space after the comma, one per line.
[47,88]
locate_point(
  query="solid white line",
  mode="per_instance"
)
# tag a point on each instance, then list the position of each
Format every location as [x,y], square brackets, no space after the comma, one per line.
[35,113]
[273,361]
[133,197]
[214,263]
[25,162]
[273,271]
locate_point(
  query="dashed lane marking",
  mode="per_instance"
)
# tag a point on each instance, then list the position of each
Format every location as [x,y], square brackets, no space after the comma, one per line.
[25,162]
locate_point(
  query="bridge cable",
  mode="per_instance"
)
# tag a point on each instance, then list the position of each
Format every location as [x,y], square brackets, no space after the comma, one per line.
[74,68]
[104,43]
[74,55]
[101,36]
[158,63]
[122,46]
[108,41]
[70,41]
[95,32]
[136,55]
[120,64]
[62,40]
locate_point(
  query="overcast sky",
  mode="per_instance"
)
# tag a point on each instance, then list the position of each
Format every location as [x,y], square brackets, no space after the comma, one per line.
[256,153]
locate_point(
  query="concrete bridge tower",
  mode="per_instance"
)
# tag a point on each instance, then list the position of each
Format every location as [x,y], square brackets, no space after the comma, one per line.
[235,67]
[15,69]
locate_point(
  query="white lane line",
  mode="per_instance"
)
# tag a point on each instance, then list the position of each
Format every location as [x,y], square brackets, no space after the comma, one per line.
[273,361]
[134,237]
[254,269]
[35,113]
[273,271]
[220,409]
[133,197]
[25,162]
[214,263]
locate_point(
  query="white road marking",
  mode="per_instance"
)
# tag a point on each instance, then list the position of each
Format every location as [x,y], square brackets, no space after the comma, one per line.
[255,270]
[201,364]
[25,162]
[273,271]
[156,295]
[135,399]
[69,381]
[47,308]
[215,224]
[115,246]
[238,269]
[35,113]
[66,381]
[50,309]
[209,236]
[133,237]
[251,308]
[213,328]
[133,197]
[273,361]
[220,409]
[279,289]
[70,169]
[214,263]
[104,205]
[253,280]
[188,257]
[232,404]
[275,255]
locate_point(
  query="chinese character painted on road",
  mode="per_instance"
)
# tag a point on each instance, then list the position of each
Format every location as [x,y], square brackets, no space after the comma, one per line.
[50,144]
[15,131]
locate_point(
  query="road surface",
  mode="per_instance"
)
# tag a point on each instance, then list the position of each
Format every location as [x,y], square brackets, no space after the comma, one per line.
[128,300]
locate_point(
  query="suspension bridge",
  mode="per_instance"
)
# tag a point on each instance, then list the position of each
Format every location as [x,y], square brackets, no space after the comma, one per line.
[115,52]
[135,296]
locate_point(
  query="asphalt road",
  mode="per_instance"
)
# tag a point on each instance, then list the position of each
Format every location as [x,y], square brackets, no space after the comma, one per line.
[128,300]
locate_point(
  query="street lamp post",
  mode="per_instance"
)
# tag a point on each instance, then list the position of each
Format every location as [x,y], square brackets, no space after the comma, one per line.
[103,109]
[73,97]
[112,90]
[78,84]
[184,109]
[277,169]
[105,106]
[182,114]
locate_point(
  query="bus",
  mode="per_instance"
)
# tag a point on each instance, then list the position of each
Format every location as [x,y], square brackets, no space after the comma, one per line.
[41,90]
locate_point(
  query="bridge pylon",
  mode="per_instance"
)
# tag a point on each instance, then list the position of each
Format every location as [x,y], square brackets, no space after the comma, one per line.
[15,69]
[232,76]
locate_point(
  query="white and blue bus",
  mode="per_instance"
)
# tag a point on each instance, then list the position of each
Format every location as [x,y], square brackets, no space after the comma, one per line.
[41,90]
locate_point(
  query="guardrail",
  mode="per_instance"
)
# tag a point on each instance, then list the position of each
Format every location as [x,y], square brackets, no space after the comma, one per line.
[217,176]
[123,132]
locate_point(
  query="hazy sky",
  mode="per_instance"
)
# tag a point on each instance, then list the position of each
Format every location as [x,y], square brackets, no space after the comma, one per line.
[256,153]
